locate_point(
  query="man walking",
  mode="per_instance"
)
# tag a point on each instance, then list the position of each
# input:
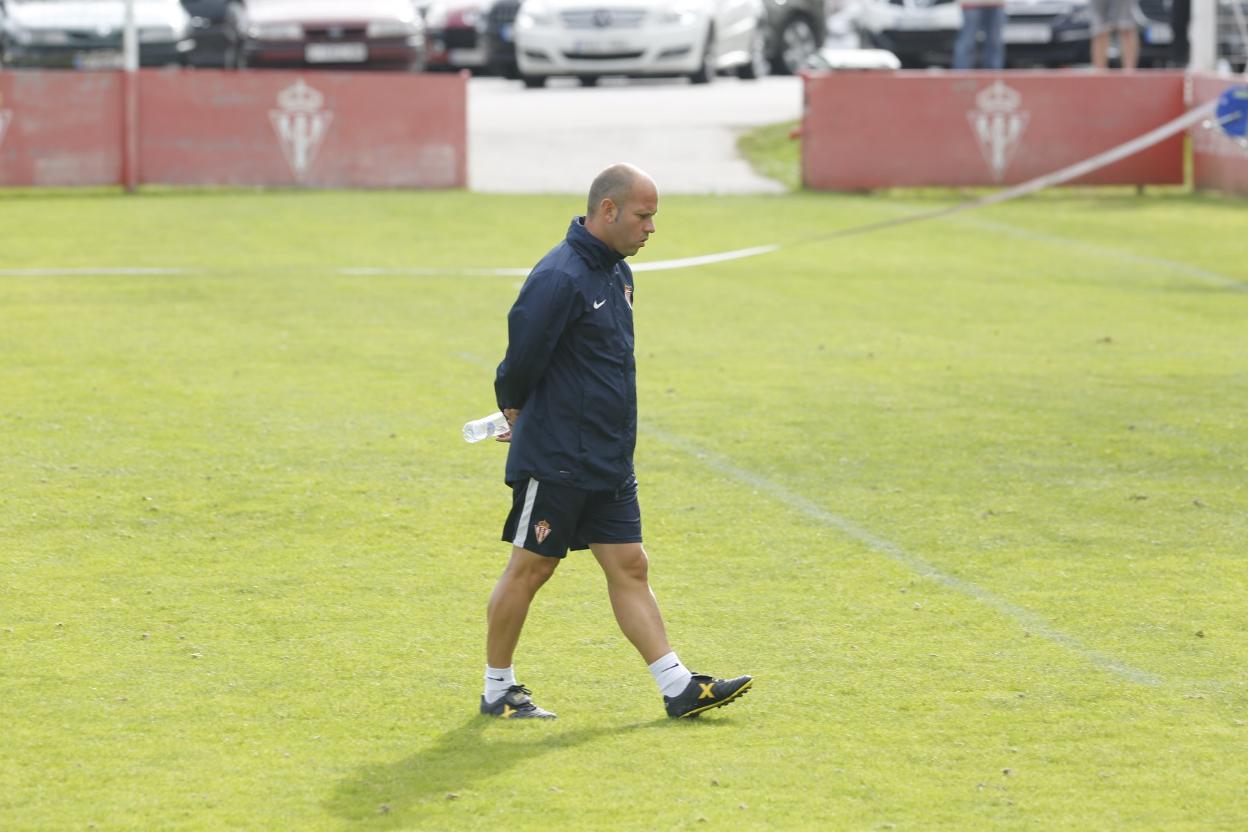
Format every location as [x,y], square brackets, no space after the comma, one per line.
[567,386]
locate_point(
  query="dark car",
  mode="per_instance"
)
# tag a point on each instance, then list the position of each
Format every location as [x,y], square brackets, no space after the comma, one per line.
[384,34]
[50,33]
[208,28]
[795,30]
[1047,33]
[1055,33]
[478,35]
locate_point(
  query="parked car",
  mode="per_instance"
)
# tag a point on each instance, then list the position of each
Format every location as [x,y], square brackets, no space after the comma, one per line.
[334,33]
[692,38]
[208,28]
[796,30]
[478,35]
[51,33]
[1047,33]
[919,32]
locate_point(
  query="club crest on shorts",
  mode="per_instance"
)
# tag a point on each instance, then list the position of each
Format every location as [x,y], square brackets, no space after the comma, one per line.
[628,295]
[541,530]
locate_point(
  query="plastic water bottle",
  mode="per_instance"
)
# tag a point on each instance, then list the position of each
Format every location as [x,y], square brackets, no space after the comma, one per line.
[491,425]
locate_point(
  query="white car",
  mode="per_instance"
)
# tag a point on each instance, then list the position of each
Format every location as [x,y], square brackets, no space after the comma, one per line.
[587,40]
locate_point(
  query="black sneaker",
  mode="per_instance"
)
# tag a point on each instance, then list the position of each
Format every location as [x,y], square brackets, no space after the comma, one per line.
[704,693]
[515,704]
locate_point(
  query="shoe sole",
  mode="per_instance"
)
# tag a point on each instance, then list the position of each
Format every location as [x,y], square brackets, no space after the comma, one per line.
[721,703]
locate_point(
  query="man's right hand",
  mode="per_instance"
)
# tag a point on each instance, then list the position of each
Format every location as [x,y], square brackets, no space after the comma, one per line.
[511,414]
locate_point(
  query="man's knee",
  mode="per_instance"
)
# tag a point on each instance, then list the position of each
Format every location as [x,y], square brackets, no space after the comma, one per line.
[626,561]
[530,568]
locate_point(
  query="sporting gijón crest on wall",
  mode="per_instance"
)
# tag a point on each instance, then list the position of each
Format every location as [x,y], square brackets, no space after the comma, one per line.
[301,122]
[998,122]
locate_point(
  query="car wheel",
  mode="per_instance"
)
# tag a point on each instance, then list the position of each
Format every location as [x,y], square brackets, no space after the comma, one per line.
[706,72]
[758,65]
[797,43]
[534,82]
[588,80]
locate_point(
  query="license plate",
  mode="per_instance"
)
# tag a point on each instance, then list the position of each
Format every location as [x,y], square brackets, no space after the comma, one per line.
[599,47]
[1026,33]
[336,53]
[1159,33]
[102,59]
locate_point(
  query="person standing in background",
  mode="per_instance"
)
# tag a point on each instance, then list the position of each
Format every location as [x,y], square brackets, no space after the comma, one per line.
[981,16]
[1109,16]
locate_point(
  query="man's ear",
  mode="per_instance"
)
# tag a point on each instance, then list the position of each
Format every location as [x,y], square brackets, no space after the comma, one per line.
[608,209]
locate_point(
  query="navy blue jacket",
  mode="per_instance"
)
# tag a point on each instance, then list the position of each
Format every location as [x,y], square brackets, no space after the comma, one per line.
[570,369]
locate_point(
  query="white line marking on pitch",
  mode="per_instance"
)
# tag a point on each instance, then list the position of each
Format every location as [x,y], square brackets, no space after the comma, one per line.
[656,266]
[1185,269]
[1030,621]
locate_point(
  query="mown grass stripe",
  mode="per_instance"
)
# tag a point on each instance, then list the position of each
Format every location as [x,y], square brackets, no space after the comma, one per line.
[1028,620]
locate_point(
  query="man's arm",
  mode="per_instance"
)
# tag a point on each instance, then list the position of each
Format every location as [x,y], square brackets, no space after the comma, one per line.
[546,306]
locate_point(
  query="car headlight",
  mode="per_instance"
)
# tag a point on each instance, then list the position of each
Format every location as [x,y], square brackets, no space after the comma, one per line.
[392,29]
[679,16]
[534,15]
[275,31]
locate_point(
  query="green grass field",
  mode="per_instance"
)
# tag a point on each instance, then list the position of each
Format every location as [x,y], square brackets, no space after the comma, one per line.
[969,498]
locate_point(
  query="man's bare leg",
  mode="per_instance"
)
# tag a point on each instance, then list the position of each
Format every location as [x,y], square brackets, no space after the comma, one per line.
[628,585]
[509,603]
[1129,43]
[1100,50]
[637,612]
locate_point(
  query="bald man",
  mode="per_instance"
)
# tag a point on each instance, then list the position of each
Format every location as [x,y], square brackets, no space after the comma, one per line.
[568,388]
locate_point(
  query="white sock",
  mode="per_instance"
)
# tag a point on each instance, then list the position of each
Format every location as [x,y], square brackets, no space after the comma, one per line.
[671,676]
[497,680]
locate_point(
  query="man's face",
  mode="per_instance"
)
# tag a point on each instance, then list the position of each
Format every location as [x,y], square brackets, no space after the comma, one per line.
[633,222]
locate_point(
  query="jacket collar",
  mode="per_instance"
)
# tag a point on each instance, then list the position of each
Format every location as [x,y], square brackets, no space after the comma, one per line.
[595,251]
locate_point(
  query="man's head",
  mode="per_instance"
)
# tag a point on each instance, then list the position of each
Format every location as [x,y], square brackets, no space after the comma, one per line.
[622,203]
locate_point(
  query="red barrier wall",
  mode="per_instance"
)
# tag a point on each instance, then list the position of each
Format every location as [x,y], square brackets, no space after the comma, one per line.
[1218,162]
[874,129]
[329,130]
[212,127]
[60,128]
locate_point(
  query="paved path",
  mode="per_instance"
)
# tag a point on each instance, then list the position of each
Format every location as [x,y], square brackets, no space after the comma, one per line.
[554,140]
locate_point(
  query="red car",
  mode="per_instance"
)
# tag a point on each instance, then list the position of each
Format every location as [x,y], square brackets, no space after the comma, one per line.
[386,34]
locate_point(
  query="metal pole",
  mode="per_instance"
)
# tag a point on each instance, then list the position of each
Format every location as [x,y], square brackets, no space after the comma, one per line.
[1204,36]
[130,40]
[130,87]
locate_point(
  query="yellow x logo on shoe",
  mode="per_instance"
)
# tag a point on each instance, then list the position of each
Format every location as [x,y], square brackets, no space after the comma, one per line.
[507,710]
[706,691]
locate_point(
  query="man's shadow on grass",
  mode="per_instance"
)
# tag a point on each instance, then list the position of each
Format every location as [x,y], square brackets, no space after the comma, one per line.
[384,793]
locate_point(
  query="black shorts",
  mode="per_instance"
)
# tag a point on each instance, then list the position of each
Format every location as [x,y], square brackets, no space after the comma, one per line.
[550,519]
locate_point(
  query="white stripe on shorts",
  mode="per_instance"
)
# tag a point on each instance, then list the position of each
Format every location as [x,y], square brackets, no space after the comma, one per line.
[522,525]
